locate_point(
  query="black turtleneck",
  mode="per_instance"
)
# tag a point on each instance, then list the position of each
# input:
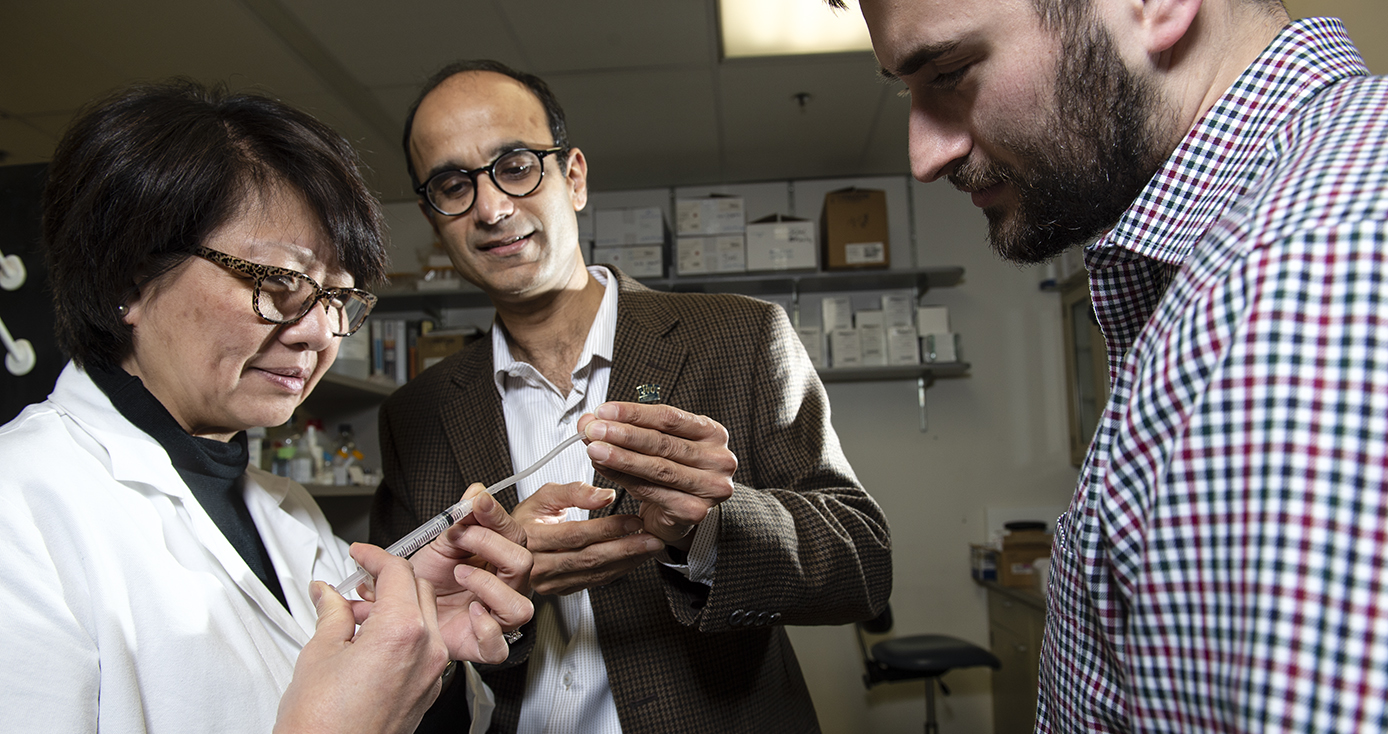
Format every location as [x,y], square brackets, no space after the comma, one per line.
[212,469]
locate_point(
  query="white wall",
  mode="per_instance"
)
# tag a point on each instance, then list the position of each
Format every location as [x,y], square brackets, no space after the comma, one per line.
[996,438]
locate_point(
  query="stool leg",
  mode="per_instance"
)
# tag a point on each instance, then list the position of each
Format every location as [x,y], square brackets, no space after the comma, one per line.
[930,726]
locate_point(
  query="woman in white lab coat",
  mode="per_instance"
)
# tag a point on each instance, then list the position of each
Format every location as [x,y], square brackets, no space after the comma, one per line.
[206,252]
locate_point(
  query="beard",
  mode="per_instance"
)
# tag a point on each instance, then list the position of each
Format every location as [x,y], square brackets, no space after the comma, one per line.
[1098,149]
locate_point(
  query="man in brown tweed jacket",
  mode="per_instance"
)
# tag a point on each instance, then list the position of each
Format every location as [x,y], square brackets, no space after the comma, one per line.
[738,471]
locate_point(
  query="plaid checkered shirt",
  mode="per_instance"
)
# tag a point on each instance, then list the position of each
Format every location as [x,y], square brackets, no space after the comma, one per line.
[1222,565]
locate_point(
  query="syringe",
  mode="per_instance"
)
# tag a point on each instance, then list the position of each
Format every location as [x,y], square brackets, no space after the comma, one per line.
[424,534]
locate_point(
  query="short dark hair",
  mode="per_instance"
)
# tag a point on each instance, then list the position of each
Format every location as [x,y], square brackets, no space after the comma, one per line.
[143,176]
[1056,14]
[554,113]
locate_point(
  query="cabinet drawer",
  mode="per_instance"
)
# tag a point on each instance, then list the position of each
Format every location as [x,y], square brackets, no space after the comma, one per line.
[1016,616]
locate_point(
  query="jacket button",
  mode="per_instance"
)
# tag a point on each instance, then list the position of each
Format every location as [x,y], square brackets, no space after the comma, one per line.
[775,617]
[763,618]
[735,619]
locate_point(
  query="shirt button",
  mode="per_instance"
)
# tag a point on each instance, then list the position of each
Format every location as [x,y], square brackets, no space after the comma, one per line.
[568,680]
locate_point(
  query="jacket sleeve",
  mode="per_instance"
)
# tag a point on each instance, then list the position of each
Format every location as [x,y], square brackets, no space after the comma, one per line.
[800,541]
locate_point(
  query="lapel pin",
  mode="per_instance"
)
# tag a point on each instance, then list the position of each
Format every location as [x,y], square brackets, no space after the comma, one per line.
[647,393]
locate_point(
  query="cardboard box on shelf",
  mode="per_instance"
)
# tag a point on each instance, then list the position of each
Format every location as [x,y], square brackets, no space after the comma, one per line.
[436,345]
[813,339]
[845,348]
[903,347]
[836,312]
[932,319]
[1019,551]
[781,243]
[641,261]
[872,339]
[720,254]
[630,226]
[710,215]
[853,230]
[940,347]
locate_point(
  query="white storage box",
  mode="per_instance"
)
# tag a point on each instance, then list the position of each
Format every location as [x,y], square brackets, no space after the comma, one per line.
[643,261]
[634,226]
[701,255]
[781,244]
[710,216]
[845,349]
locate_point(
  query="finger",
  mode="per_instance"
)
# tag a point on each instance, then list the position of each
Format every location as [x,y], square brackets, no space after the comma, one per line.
[596,565]
[490,514]
[491,646]
[509,607]
[577,534]
[665,419]
[709,477]
[550,501]
[395,579]
[512,561]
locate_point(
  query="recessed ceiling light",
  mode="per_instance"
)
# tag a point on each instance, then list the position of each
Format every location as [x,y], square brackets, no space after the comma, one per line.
[789,27]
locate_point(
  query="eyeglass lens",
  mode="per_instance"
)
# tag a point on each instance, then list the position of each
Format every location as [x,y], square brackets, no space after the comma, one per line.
[286,298]
[516,173]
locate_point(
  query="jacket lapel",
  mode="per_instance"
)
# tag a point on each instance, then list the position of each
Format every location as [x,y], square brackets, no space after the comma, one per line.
[478,440]
[643,353]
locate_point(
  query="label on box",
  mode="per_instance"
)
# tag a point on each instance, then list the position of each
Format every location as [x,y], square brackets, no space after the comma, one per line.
[781,246]
[711,216]
[645,261]
[813,339]
[845,349]
[836,312]
[938,348]
[868,317]
[865,253]
[897,309]
[692,256]
[872,341]
[635,226]
[902,345]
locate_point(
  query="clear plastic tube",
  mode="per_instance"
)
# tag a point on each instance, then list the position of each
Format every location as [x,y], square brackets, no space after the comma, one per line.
[424,534]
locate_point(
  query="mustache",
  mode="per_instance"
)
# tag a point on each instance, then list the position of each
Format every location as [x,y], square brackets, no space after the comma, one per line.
[975,175]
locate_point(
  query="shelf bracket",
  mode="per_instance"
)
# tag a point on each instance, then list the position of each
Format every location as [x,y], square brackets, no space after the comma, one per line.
[923,382]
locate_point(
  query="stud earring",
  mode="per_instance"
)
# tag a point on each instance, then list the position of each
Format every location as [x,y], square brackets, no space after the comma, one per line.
[123,310]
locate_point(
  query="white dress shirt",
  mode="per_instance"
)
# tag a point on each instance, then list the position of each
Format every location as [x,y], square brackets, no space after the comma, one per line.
[566,688]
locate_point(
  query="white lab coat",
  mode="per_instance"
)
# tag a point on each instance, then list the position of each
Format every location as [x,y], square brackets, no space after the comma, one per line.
[125,609]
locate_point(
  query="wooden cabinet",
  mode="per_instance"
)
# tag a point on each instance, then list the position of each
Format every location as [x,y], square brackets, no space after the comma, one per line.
[1016,620]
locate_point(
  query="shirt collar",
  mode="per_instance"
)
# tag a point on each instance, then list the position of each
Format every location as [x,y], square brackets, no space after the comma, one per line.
[601,336]
[1222,156]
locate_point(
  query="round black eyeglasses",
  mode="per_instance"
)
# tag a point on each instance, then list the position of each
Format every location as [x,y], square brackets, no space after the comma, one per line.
[515,173]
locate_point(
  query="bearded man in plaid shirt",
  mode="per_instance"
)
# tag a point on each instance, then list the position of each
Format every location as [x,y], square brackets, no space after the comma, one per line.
[1222,564]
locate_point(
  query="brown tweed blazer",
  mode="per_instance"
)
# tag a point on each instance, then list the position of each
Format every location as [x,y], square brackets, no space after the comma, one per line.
[800,540]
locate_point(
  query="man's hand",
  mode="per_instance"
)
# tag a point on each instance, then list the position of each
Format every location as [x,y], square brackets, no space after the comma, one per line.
[575,555]
[379,678]
[677,463]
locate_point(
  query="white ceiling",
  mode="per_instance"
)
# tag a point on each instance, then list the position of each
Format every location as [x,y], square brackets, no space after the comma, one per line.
[647,97]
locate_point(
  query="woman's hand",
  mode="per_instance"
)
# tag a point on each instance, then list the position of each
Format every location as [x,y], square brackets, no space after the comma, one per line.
[480,569]
[379,678]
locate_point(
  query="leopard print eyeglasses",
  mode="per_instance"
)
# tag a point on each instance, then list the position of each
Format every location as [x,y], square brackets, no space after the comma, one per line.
[284,296]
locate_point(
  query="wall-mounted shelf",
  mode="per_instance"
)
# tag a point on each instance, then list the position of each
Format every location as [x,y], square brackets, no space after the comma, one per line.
[752,284]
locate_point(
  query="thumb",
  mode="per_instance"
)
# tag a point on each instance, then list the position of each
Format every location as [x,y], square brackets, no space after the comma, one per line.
[336,623]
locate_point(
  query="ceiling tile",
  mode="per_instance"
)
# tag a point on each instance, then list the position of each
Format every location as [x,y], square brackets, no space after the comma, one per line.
[561,35]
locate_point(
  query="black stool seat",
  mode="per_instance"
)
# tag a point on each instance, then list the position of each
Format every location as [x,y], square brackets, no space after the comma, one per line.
[922,656]
[916,657]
